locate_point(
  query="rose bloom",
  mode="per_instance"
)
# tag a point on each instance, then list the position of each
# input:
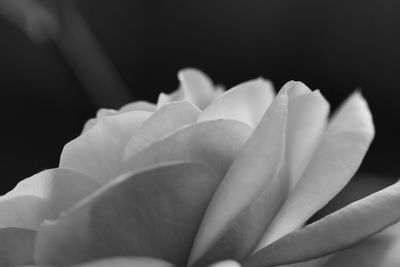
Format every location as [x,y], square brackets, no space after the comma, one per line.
[202,177]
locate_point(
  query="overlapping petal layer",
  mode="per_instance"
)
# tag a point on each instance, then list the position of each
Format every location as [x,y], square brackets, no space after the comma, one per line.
[152,213]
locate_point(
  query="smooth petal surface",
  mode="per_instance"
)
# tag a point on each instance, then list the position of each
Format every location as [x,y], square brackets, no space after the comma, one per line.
[333,164]
[98,152]
[164,121]
[127,262]
[308,114]
[253,169]
[380,250]
[246,102]
[215,143]
[337,231]
[16,246]
[43,196]
[152,213]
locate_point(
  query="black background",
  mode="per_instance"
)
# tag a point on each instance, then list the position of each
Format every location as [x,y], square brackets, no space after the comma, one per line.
[335,46]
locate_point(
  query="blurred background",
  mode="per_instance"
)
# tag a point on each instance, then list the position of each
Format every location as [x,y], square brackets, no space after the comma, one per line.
[336,46]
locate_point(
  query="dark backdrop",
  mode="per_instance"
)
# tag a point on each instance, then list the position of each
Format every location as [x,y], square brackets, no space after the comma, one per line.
[334,46]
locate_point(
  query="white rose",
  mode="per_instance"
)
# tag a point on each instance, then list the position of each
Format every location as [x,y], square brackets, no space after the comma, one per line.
[202,176]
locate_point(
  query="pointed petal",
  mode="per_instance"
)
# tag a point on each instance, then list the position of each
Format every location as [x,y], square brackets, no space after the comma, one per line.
[253,169]
[337,231]
[164,121]
[333,164]
[127,262]
[246,102]
[43,196]
[98,152]
[306,123]
[16,246]
[215,143]
[152,213]
[197,87]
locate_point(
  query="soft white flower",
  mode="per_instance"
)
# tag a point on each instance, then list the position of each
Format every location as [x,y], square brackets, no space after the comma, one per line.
[201,177]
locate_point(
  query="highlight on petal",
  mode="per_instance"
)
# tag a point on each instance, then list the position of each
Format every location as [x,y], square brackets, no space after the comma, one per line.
[98,152]
[333,164]
[16,246]
[246,102]
[215,143]
[337,231]
[251,172]
[152,213]
[164,121]
[227,263]
[43,196]
[138,106]
[195,87]
[127,262]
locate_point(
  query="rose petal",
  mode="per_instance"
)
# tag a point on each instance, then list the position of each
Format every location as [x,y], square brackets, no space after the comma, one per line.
[138,106]
[215,143]
[307,114]
[164,121]
[380,250]
[337,231]
[16,246]
[333,164]
[127,262]
[152,213]
[307,119]
[98,152]
[227,263]
[195,87]
[246,102]
[258,163]
[43,196]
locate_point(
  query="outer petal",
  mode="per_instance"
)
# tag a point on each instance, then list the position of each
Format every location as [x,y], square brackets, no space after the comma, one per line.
[43,196]
[152,213]
[127,262]
[98,152]
[379,250]
[246,102]
[166,120]
[227,263]
[334,163]
[337,231]
[253,170]
[215,143]
[16,246]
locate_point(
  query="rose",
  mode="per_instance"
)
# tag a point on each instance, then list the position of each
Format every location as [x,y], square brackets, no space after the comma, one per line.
[203,176]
